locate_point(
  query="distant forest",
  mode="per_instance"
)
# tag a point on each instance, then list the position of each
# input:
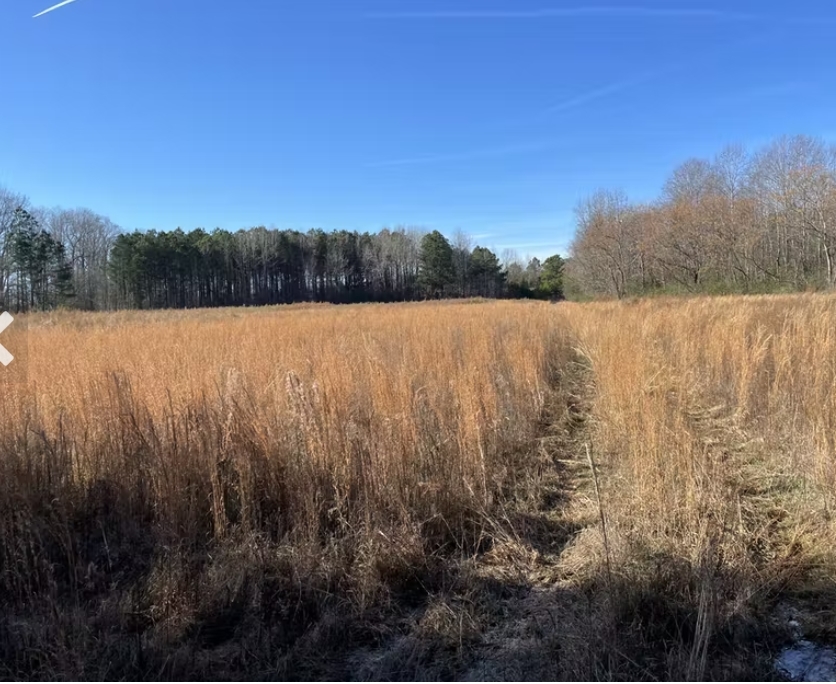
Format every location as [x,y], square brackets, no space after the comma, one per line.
[741,222]
[76,258]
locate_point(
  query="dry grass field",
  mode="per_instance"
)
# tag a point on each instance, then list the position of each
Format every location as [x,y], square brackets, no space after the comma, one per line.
[474,490]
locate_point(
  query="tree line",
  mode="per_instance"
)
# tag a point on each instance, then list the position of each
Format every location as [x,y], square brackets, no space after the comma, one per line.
[739,222]
[76,258]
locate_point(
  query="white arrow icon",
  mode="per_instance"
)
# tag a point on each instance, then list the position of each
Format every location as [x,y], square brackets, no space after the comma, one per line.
[5,321]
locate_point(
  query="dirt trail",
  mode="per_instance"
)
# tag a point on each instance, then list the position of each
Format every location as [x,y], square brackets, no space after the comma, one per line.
[533,629]
[508,615]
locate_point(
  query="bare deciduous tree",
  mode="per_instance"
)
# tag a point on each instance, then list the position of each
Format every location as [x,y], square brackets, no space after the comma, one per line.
[736,222]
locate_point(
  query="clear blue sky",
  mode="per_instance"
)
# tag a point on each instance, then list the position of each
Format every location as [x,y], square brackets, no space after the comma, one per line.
[494,117]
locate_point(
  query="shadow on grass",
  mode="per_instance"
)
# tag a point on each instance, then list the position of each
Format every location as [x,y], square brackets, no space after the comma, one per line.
[126,604]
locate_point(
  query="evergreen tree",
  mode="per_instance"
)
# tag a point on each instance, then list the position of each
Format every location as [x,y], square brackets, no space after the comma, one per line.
[486,273]
[437,271]
[43,275]
[551,278]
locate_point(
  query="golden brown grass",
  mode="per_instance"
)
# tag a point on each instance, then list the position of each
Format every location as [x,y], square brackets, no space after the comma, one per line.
[715,424]
[369,416]
[337,451]
[401,491]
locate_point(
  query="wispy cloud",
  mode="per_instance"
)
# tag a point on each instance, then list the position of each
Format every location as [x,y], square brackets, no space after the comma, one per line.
[606,12]
[606,90]
[589,96]
[54,7]
[638,79]
[572,12]
[472,154]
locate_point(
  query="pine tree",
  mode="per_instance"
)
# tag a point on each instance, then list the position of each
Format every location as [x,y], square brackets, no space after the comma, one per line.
[551,278]
[437,269]
[43,275]
[486,272]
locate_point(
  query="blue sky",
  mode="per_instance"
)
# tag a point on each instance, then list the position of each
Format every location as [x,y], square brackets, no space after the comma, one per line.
[495,117]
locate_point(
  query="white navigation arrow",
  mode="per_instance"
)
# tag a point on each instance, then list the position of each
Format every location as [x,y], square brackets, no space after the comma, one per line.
[5,321]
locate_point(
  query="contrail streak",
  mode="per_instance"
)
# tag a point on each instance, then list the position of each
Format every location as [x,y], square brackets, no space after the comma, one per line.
[640,79]
[601,12]
[610,89]
[54,7]
[592,95]
[572,103]
[575,102]
[570,12]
